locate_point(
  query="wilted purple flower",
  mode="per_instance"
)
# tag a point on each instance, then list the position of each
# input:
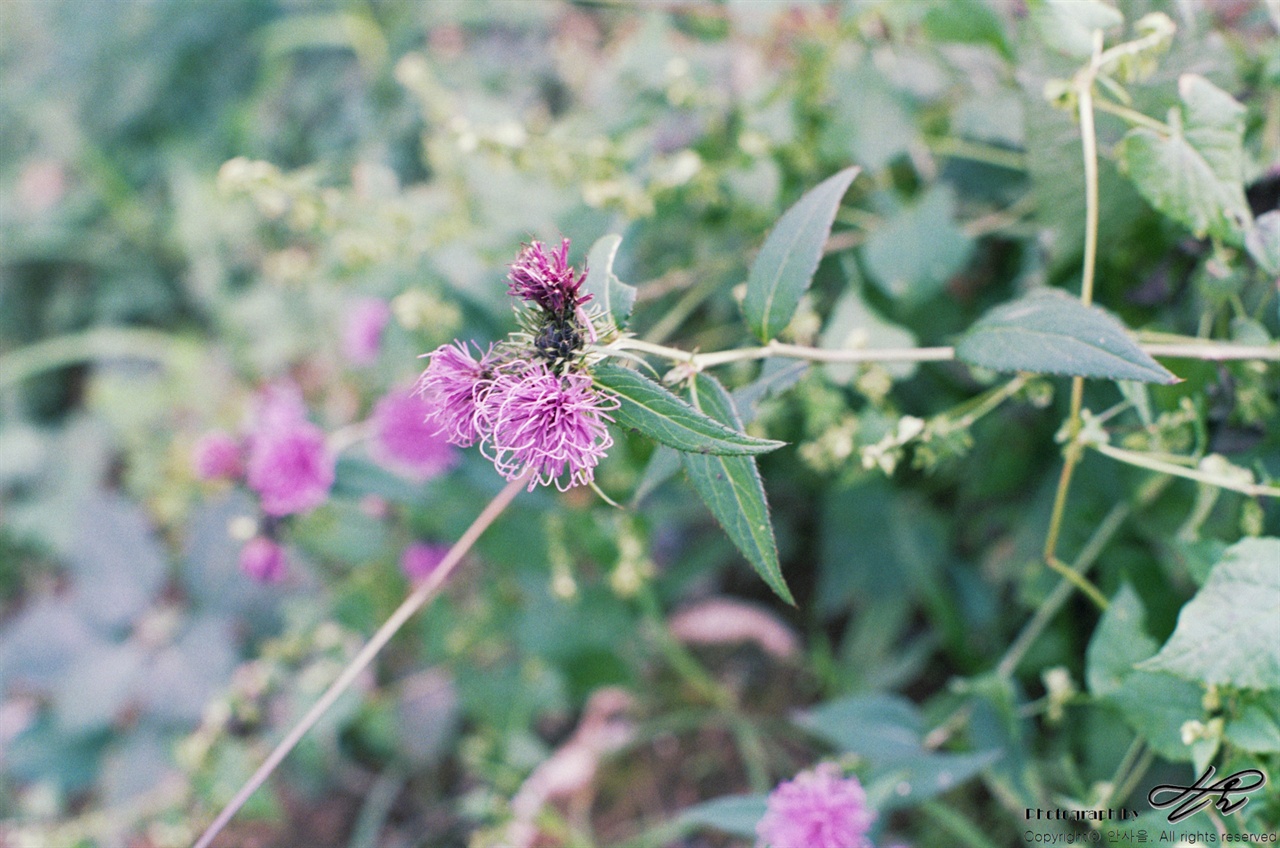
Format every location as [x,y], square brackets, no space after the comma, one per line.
[420,559]
[452,387]
[546,422]
[216,456]
[290,465]
[547,279]
[362,332]
[817,809]
[404,440]
[263,560]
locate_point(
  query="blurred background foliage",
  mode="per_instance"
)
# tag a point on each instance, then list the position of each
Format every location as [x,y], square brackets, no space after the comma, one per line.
[233,176]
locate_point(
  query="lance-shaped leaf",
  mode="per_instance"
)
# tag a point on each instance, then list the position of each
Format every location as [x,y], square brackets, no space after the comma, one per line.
[730,486]
[1049,332]
[663,417]
[609,293]
[784,267]
[1195,174]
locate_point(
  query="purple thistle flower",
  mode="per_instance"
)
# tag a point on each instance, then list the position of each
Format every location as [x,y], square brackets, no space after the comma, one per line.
[290,466]
[362,332]
[817,809]
[419,560]
[405,441]
[547,279]
[452,388]
[263,560]
[216,456]
[546,422]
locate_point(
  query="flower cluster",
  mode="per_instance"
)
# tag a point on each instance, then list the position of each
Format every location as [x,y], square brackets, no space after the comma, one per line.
[529,403]
[283,458]
[817,809]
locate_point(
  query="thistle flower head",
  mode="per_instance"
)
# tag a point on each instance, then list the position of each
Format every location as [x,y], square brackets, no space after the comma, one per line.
[452,388]
[817,809]
[405,440]
[546,422]
[547,279]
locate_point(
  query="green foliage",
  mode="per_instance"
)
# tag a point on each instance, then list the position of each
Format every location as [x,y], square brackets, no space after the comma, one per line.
[655,412]
[1050,333]
[783,270]
[1194,173]
[731,488]
[1229,633]
[197,196]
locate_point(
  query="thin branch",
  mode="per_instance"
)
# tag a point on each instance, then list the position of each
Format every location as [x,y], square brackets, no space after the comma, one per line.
[423,592]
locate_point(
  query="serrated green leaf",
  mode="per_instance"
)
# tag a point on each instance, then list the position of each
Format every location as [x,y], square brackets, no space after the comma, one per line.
[1229,633]
[913,255]
[1263,241]
[1195,175]
[784,267]
[1119,643]
[1048,332]
[1068,25]
[730,486]
[968,21]
[609,293]
[663,417]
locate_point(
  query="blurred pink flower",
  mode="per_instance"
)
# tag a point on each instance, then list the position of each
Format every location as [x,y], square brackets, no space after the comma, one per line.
[362,333]
[452,387]
[216,456]
[420,559]
[546,422]
[404,439]
[817,809]
[290,466]
[263,560]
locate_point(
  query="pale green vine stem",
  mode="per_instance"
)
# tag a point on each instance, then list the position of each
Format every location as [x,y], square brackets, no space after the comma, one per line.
[1153,463]
[422,593]
[1084,82]
[1210,351]
[88,345]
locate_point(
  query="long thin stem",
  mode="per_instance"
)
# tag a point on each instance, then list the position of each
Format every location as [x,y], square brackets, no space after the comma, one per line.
[1073,452]
[1210,351]
[1152,463]
[422,593]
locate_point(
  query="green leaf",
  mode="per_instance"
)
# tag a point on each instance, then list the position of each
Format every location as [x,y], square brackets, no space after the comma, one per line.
[1156,705]
[914,779]
[615,297]
[1119,643]
[1263,241]
[967,21]
[912,256]
[1229,633]
[1256,728]
[1068,25]
[730,486]
[733,814]
[663,417]
[1196,174]
[1050,333]
[882,728]
[784,267]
